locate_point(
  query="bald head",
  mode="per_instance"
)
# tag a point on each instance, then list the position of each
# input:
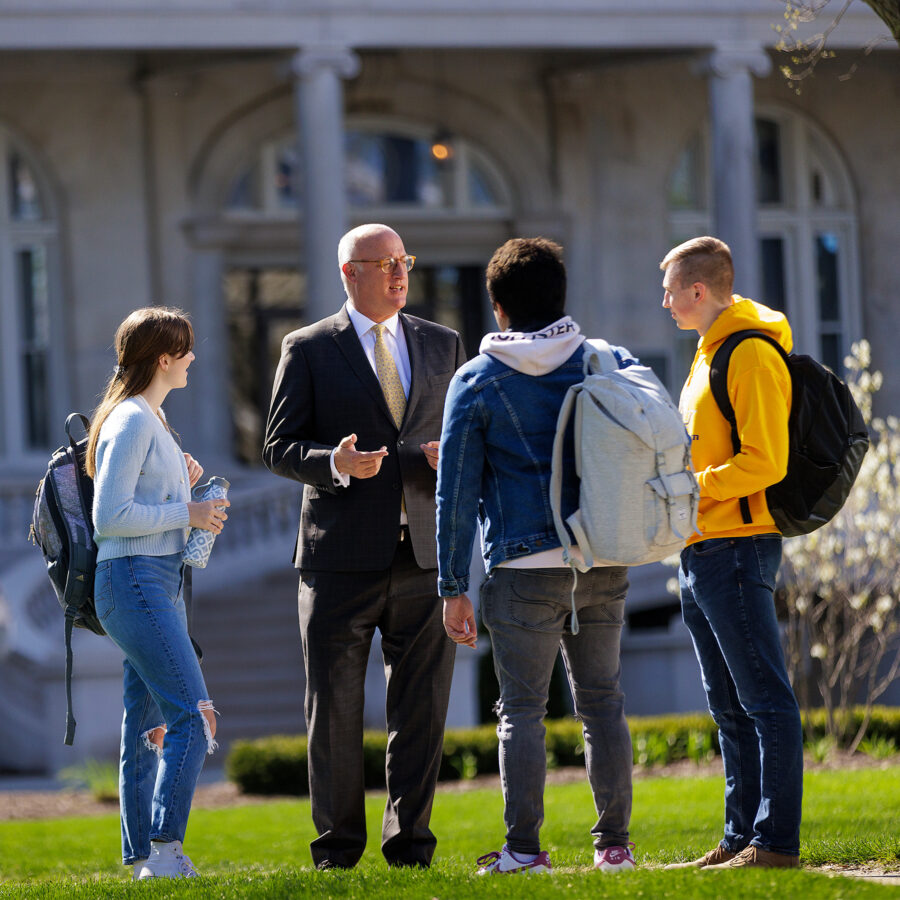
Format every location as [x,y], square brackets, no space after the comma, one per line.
[350,244]
[373,292]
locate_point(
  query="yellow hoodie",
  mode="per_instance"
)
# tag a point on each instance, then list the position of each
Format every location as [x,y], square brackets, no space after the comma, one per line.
[760,390]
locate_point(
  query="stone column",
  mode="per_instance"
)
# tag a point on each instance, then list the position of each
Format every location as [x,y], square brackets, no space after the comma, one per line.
[209,428]
[729,68]
[318,98]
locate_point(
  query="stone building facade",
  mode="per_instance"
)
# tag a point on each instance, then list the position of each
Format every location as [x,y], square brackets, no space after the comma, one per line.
[208,155]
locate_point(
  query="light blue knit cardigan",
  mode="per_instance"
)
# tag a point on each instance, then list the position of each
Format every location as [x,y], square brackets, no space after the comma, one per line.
[141,486]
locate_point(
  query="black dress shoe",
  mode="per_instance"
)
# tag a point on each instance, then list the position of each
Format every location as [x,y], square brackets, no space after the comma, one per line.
[330,864]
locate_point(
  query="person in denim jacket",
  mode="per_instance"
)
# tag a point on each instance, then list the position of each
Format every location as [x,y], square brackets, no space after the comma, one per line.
[494,469]
[142,511]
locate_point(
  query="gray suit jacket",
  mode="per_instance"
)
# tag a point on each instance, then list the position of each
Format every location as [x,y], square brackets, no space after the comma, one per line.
[324,390]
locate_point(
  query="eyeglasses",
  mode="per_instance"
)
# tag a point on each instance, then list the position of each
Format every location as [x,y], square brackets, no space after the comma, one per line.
[389,263]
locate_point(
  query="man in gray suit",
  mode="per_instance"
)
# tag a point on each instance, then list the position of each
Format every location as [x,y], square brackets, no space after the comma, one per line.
[356,417]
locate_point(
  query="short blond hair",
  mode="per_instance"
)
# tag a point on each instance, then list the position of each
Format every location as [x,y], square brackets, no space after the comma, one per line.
[705,259]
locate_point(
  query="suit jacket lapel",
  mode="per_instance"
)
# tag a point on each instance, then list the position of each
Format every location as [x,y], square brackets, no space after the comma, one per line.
[348,341]
[415,345]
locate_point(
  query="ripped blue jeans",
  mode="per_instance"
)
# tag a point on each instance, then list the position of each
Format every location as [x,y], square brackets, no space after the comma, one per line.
[139,600]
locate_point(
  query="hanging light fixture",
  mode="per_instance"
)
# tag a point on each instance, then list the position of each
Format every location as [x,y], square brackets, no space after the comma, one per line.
[442,145]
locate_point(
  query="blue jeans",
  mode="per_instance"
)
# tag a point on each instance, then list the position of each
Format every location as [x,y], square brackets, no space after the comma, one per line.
[727,587]
[526,612]
[140,603]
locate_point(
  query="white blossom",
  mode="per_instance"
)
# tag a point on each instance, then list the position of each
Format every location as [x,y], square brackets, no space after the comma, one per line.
[841,583]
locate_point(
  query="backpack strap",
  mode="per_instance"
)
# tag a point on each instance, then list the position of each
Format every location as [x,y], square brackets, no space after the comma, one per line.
[556,466]
[70,715]
[718,385]
[86,424]
[80,562]
[598,357]
[76,592]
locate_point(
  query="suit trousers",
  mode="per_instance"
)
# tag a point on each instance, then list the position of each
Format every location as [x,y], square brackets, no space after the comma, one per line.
[339,612]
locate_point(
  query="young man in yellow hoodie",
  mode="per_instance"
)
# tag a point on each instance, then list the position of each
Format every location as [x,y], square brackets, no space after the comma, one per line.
[727,573]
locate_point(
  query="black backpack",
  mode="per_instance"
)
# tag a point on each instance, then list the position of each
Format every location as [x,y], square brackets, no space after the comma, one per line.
[62,526]
[826,432]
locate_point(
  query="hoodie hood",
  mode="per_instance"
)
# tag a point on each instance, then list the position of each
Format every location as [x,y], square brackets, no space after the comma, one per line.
[534,352]
[745,314]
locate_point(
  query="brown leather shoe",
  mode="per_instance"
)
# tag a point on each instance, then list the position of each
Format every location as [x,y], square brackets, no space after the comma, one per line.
[753,857]
[713,858]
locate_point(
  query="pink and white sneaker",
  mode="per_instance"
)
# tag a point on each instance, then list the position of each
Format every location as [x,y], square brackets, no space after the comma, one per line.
[614,859]
[505,862]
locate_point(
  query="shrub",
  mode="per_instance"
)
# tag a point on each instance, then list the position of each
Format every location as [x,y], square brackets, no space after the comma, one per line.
[883,723]
[879,748]
[100,778]
[277,765]
[841,584]
[469,752]
[272,765]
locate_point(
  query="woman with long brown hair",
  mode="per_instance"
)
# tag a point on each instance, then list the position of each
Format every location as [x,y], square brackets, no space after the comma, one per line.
[142,513]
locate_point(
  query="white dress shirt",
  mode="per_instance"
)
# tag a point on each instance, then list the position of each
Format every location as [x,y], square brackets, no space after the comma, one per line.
[395,340]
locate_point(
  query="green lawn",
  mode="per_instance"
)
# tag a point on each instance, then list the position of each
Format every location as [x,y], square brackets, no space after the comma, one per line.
[261,851]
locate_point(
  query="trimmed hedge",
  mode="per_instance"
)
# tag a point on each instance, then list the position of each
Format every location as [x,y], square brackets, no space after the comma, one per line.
[277,765]
[884,724]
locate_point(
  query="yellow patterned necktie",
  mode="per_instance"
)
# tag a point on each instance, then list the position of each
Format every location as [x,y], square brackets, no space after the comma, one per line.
[389,377]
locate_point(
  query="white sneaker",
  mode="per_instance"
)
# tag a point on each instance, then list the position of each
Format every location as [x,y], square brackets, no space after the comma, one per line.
[614,859]
[167,860]
[136,868]
[505,862]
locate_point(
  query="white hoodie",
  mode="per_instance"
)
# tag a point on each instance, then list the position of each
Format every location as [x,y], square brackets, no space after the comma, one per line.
[534,352]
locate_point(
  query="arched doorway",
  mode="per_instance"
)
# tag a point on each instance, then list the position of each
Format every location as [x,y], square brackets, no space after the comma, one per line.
[451,213]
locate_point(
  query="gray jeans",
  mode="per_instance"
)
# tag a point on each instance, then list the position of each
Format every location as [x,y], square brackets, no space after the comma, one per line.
[526,612]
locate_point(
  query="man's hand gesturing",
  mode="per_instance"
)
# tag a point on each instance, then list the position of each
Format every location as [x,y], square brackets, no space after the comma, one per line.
[431,451]
[357,463]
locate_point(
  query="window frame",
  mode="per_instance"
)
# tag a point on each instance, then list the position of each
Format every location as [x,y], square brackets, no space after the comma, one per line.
[42,234]
[465,151]
[797,220]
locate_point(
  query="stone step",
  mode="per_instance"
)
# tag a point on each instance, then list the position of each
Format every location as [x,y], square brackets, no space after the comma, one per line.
[255,684]
[265,649]
[253,661]
[240,615]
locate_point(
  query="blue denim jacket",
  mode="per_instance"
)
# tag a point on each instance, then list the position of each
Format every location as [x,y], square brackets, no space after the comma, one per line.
[496,449]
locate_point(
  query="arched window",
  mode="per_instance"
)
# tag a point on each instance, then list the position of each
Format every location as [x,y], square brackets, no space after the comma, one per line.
[807,228]
[393,168]
[28,236]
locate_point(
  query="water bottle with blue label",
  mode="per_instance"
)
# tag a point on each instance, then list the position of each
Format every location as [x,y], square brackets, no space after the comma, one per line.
[199,543]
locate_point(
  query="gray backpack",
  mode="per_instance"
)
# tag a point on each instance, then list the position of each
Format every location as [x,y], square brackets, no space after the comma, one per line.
[638,496]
